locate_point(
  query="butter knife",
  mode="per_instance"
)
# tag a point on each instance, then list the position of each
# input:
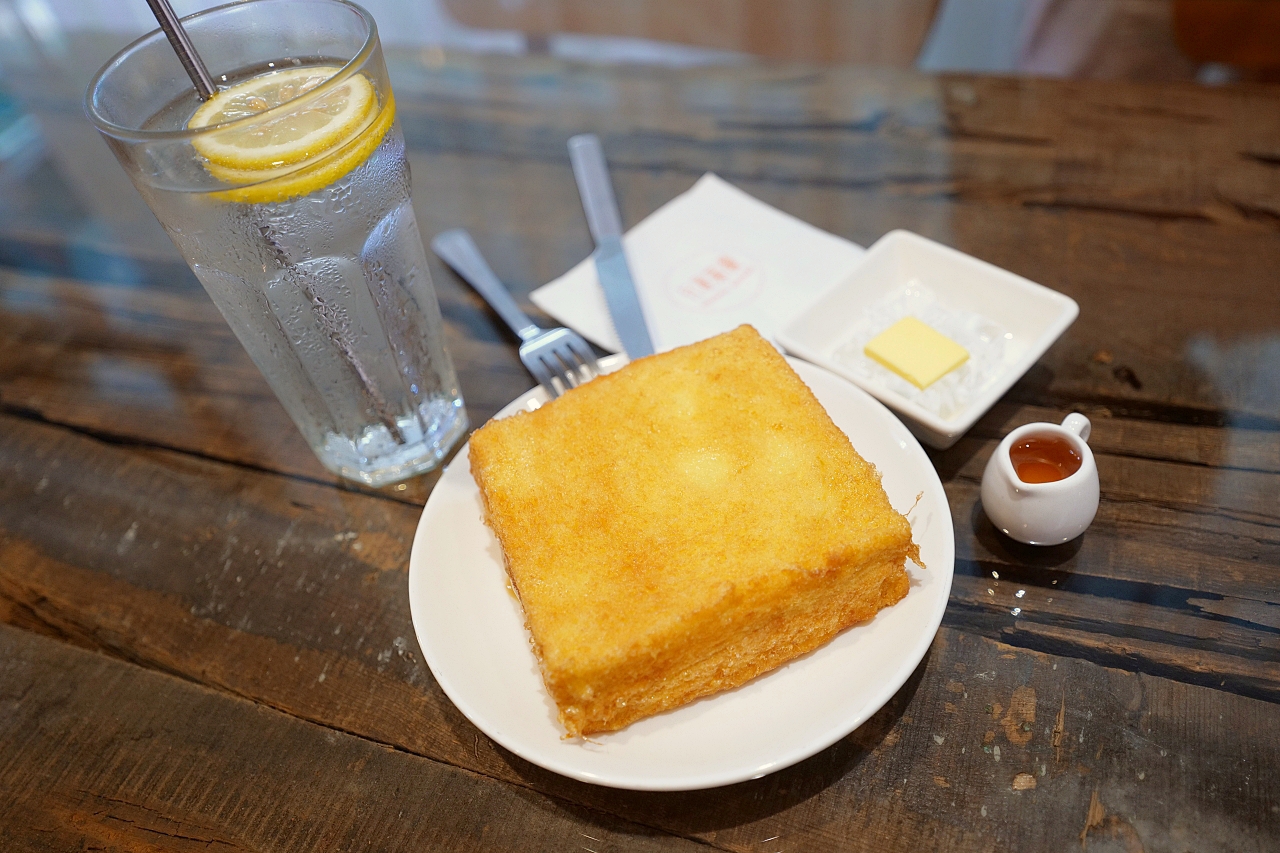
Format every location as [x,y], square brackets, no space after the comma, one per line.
[592,175]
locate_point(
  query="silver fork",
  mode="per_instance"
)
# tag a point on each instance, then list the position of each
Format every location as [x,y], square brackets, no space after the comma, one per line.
[549,354]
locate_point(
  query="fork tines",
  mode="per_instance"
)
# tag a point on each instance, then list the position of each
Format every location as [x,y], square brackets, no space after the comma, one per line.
[559,354]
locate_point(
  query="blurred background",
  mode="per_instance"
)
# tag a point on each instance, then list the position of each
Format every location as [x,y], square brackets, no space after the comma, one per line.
[49,49]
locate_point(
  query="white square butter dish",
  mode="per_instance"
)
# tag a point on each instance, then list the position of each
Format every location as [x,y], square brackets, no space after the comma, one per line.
[1004,320]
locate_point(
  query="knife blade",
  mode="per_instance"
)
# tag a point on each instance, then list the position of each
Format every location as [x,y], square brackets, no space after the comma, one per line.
[592,176]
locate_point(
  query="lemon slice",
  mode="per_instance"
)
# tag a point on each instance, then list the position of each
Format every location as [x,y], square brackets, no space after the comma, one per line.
[318,125]
[270,185]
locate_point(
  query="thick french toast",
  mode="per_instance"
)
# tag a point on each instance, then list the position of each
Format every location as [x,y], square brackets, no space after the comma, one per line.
[681,526]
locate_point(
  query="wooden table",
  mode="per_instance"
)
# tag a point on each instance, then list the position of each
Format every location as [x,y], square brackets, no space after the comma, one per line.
[207,642]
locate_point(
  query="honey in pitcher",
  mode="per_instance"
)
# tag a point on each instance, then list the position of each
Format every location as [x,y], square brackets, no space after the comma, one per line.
[1044,459]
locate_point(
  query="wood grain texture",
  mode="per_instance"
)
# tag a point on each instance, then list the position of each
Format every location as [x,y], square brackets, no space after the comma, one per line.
[160,367]
[1098,190]
[100,755]
[201,609]
[1188,511]
[268,596]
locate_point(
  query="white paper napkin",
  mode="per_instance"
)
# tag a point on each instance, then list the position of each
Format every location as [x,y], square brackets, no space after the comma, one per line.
[704,263]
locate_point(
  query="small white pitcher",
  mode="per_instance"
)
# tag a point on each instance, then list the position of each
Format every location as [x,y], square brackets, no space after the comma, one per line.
[1042,513]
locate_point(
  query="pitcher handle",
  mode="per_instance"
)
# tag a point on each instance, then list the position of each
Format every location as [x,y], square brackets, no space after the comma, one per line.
[1079,424]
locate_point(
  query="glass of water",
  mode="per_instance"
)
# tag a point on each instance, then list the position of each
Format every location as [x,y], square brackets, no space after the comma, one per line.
[288,194]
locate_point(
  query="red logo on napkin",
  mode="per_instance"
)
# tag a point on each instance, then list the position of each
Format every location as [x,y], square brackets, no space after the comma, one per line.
[713,281]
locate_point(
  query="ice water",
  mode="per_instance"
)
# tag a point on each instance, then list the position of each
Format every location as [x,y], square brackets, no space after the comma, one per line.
[331,297]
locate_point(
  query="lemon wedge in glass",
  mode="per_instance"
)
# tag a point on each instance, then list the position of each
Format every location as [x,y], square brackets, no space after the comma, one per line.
[294,152]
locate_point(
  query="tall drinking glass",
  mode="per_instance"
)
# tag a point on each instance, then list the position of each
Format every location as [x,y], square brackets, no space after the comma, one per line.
[288,195]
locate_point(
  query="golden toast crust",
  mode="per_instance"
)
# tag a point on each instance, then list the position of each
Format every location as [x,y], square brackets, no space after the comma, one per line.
[679,527]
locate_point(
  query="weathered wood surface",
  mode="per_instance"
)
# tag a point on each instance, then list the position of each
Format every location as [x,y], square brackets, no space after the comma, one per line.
[266,594]
[159,511]
[986,748]
[178,767]
[1204,497]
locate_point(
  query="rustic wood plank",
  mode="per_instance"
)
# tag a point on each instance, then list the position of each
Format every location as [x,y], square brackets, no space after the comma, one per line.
[1200,541]
[101,755]
[1121,129]
[1181,559]
[1021,142]
[994,748]
[1165,615]
[979,749]
[1204,546]
[1231,553]
[1225,386]
[860,152]
[1016,172]
[157,506]
[1149,528]
[160,366]
[264,594]
[1202,498]
[1168,636]
[1214,446]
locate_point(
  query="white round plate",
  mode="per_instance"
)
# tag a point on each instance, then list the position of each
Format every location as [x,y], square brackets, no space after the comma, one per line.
[471,630]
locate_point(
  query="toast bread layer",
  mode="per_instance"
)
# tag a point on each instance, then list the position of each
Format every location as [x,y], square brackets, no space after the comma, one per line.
[682,526]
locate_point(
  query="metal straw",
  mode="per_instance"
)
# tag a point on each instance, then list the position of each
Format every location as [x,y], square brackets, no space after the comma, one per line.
[182,46]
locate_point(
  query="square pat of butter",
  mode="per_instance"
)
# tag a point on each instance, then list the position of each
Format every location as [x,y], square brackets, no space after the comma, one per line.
[916,351]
